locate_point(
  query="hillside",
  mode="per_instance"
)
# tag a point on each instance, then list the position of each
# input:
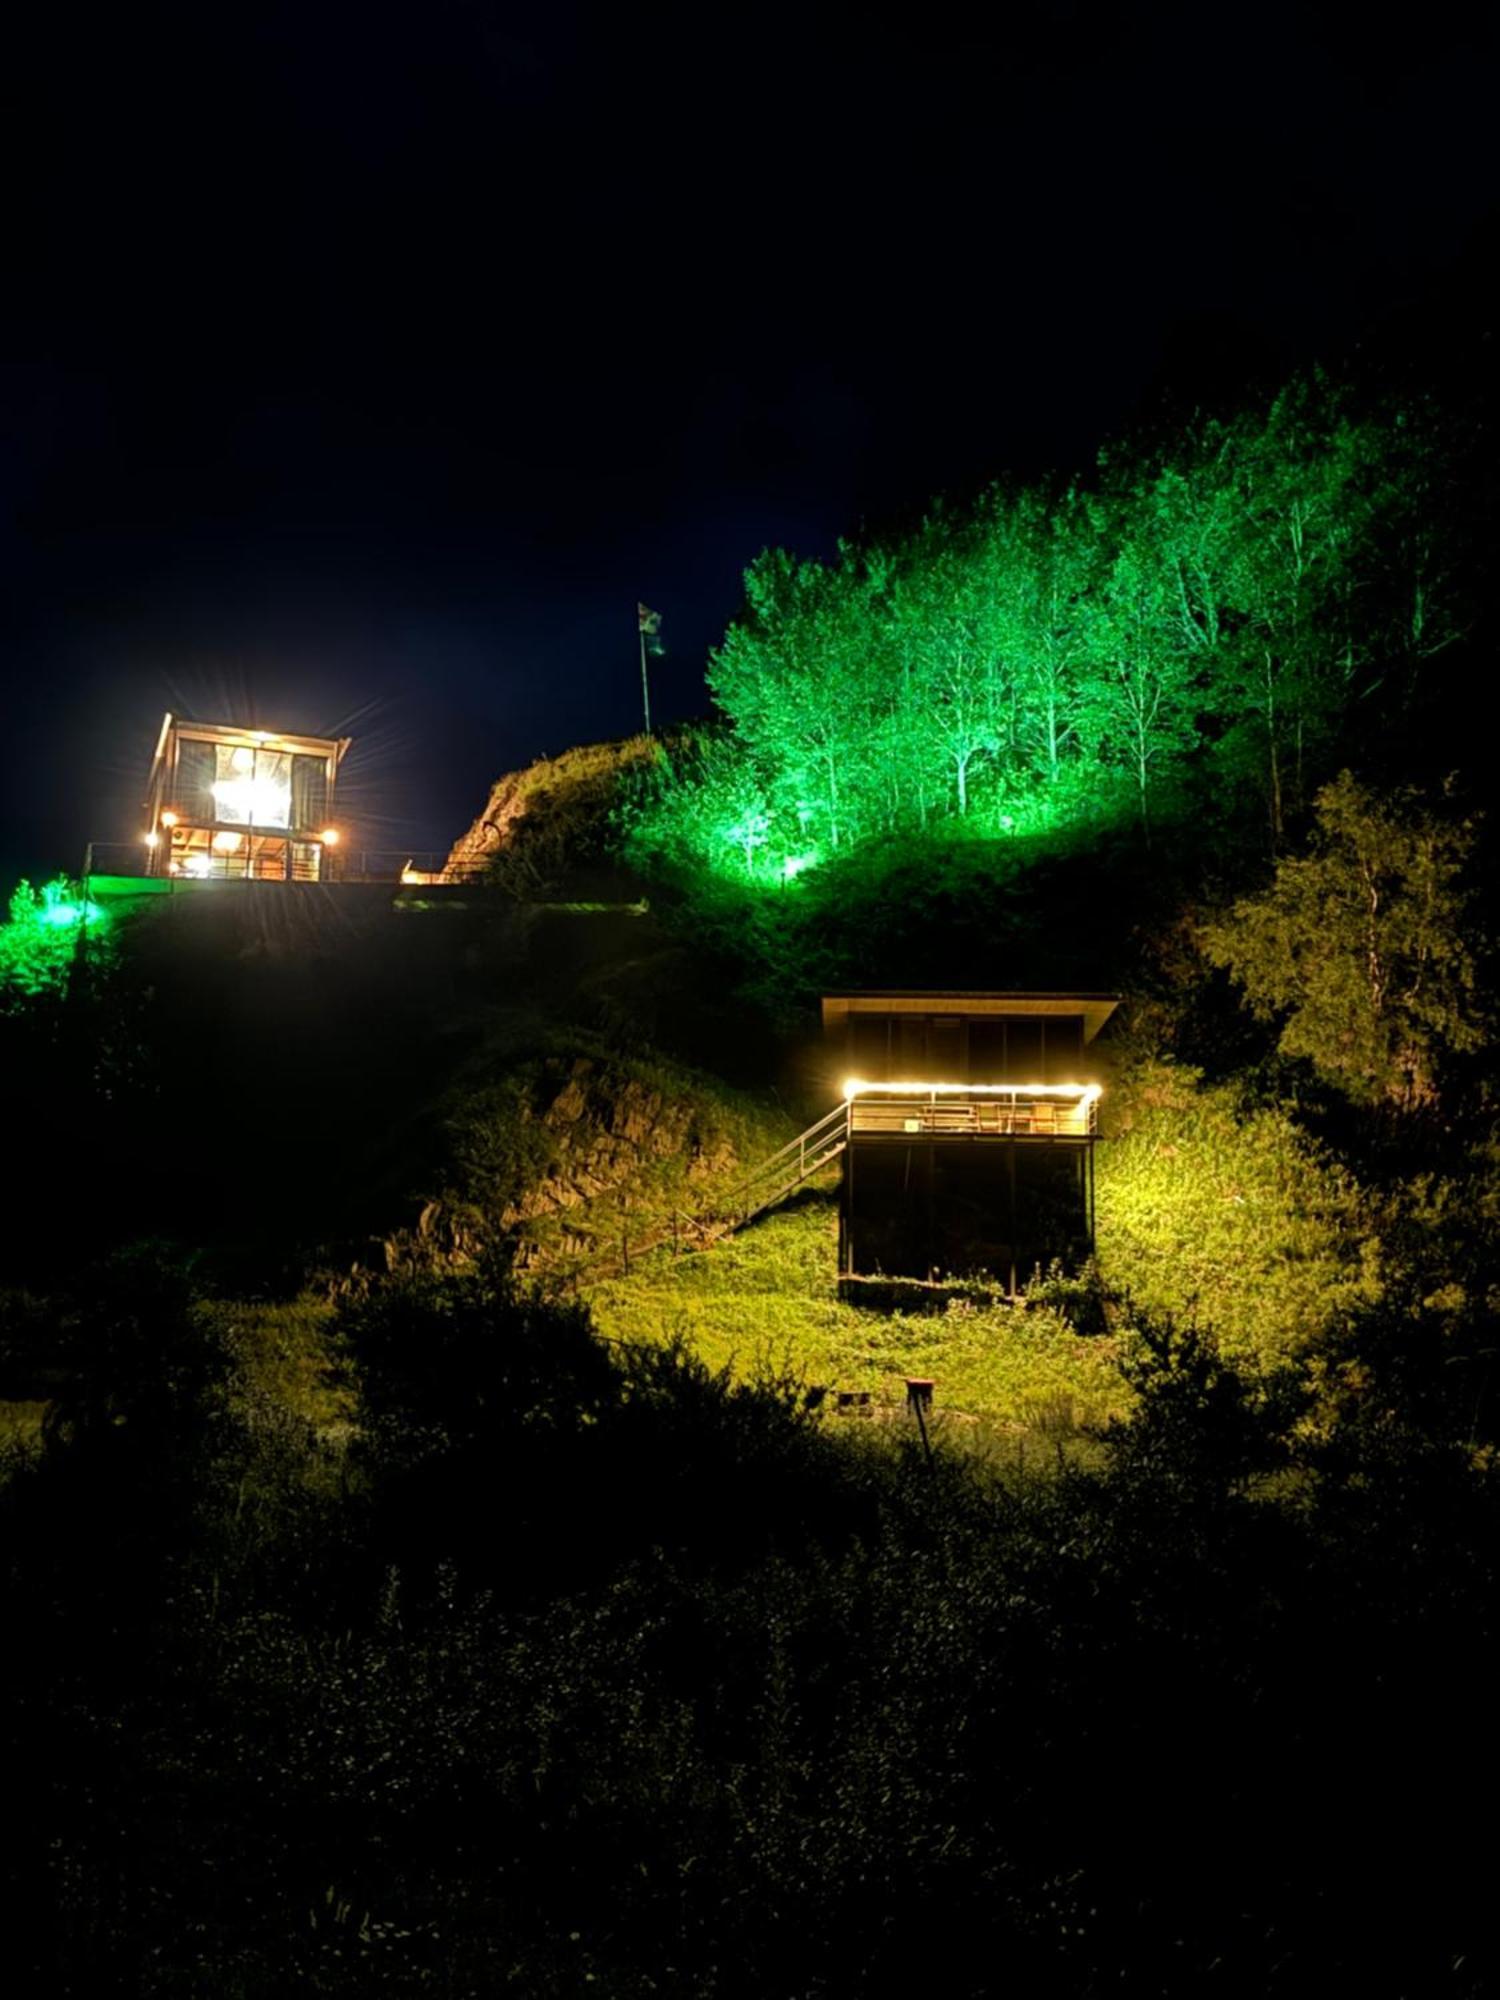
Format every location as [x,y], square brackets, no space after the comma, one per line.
[395,1499]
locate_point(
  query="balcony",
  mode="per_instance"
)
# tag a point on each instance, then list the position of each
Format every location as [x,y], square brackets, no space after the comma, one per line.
[972,1110]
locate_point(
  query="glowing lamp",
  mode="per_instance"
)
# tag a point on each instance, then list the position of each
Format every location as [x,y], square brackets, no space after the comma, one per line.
[329,836]
[227,843]
[152,838]
[169,819]
[856,1086]
[258,801]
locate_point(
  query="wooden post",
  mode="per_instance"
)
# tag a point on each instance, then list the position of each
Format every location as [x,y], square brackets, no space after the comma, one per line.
[919,1390]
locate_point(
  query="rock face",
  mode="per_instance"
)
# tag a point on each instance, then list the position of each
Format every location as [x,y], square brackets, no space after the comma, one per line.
[553,816]
[599,1147]
[605,1130]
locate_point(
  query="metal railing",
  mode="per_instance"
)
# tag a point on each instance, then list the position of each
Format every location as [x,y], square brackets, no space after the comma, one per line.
[396,865]
[1014,1114]
[777,1176]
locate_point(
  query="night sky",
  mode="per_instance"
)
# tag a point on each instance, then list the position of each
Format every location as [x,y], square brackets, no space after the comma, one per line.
[361,366]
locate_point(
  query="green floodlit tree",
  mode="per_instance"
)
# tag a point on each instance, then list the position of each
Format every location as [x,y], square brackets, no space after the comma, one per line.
[949,616]
[1140,706]
[1209,615]
[1365,948]
[1057,569]
[1296,502]
[789,677]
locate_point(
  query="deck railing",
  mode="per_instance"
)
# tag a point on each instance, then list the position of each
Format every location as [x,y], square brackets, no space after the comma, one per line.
[994,1112]
[398,865]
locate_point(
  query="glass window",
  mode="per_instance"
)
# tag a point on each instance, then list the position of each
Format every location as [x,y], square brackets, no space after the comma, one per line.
[869,1047]
[1064,1048]
[252,787]
[197,770]
[946,1054]
[309,792]
[1023,1052]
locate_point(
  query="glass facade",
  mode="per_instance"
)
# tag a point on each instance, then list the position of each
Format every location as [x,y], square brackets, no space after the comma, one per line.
[232,804]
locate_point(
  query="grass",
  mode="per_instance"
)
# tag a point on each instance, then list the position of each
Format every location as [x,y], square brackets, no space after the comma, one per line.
[766,1301]
[1208,1210]
[283,1353]
[1227,1215]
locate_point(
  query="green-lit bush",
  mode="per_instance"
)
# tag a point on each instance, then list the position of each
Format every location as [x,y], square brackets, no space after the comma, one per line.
[41,940]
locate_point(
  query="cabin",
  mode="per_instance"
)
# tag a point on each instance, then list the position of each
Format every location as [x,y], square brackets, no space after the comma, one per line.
[251,805]
[971,1131]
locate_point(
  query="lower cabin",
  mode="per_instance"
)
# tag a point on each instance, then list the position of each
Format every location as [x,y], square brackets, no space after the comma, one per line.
[971,1131]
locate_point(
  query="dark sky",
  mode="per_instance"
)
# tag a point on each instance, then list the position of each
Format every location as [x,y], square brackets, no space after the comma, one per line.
[361,365]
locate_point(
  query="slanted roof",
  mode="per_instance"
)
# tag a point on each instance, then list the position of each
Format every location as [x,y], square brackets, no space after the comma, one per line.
[254,739]
[263,739]
[1095,1008]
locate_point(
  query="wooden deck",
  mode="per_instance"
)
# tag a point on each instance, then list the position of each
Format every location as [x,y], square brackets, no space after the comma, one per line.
[994,1114]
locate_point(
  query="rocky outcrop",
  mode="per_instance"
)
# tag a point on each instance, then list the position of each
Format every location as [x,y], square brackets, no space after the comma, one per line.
[555,813]
[606,1129]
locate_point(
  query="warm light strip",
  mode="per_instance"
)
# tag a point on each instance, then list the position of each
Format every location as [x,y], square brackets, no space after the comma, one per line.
[856,1086]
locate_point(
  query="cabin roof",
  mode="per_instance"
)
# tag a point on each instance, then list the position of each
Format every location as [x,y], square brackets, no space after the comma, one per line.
[264,739]
[1095,1008]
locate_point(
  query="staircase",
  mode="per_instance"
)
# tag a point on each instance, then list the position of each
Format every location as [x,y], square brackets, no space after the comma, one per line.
[772,1181]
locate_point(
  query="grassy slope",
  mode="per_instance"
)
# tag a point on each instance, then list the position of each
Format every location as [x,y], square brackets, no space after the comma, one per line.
[1226,1215]
[1206,1211]
[767,1300]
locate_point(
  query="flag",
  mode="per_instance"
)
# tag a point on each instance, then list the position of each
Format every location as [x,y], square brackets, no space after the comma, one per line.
[650,628]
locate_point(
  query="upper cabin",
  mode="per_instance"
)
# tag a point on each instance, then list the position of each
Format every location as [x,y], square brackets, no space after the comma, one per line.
[225,803]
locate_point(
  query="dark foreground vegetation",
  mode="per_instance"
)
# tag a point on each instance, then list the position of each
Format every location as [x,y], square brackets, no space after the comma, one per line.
[577,1669]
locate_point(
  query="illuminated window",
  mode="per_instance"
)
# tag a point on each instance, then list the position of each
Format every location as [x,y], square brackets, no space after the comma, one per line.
[252,787]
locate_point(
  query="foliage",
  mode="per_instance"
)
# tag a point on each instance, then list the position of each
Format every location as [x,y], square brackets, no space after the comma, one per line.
[613,1673]
[1215,1209]
[580,1149]
[42,937]
[1366,948]
[545,827]
[1198,626]
[768,1299]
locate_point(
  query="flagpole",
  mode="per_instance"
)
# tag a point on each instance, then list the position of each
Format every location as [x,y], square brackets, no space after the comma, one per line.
[645,688]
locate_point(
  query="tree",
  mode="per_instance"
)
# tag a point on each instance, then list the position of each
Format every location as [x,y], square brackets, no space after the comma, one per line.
[1140,687]
[792,675]
[1366,947]
[1056,575]
[949,616]
[1295,548]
